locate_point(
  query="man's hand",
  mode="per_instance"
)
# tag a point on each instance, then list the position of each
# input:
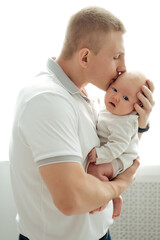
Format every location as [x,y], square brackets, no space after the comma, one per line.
[117,207]
[123,180]
[98,209]
[147,101]
[102,172]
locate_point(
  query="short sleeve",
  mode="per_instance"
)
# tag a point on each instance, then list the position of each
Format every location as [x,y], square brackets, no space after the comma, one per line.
[49,127]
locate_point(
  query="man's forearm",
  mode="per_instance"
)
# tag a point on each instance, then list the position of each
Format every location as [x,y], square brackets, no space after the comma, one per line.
[93,193]
[76,192]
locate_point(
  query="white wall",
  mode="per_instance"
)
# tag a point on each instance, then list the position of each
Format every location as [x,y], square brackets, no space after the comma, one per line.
[32,30]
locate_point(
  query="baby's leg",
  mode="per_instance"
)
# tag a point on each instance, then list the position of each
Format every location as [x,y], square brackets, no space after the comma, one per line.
[117,206]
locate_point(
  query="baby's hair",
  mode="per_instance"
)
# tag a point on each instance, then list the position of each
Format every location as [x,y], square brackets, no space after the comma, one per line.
[140,79]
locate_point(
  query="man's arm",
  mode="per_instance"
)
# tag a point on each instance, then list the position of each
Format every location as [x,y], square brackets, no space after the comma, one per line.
[76,192]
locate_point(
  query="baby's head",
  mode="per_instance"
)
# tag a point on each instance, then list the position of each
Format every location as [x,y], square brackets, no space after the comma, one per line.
[121,96]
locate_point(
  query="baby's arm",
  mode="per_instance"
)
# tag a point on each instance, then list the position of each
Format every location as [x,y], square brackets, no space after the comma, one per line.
[121,145]
[116,164]
[120,142]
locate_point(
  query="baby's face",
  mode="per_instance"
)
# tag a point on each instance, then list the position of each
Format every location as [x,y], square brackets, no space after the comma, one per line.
[122,95]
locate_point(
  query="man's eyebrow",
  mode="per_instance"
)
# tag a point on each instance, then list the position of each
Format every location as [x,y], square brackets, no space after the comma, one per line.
[122,52]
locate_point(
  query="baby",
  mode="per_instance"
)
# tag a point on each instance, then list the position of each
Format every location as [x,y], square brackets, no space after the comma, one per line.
[117,125]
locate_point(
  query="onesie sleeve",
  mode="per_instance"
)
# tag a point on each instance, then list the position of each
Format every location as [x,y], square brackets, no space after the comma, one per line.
[117,145]
[49,127]
[131,152]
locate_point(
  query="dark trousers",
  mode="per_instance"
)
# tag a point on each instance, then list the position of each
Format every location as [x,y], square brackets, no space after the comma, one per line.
[105,237]
[21,237]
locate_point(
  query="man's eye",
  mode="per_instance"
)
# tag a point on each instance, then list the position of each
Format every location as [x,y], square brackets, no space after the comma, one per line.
[116,57]
[114,89]
[125,98]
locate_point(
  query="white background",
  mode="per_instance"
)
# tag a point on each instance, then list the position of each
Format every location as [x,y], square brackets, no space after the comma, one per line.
[32,30]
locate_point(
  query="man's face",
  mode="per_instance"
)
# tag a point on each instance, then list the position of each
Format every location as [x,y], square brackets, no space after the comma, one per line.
[104,67]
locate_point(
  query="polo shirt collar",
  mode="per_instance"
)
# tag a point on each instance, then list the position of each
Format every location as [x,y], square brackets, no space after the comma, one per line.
[55,69]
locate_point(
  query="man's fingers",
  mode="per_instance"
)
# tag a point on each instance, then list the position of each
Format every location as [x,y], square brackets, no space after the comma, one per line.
[104,178]
[148,93]
[150,85]
[139,109]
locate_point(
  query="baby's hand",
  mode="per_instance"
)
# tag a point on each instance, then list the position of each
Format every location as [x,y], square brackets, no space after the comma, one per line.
[92,155]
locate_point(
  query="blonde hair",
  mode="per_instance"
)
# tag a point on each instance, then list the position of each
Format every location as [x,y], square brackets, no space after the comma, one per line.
[87,28]
[137,78]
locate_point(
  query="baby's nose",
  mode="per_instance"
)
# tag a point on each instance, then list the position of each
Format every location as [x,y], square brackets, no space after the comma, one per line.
[116,97]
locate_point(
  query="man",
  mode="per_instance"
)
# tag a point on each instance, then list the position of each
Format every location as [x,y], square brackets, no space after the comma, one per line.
[55,128]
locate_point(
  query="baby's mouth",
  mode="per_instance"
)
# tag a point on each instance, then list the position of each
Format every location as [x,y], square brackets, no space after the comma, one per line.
[114,105]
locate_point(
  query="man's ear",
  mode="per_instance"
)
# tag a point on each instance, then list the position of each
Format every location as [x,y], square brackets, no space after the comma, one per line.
[84,57]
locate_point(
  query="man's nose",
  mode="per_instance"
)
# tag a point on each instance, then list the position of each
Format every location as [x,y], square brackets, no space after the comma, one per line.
[121,68]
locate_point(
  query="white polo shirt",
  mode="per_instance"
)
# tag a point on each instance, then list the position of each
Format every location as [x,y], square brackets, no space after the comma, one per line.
[54,122]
